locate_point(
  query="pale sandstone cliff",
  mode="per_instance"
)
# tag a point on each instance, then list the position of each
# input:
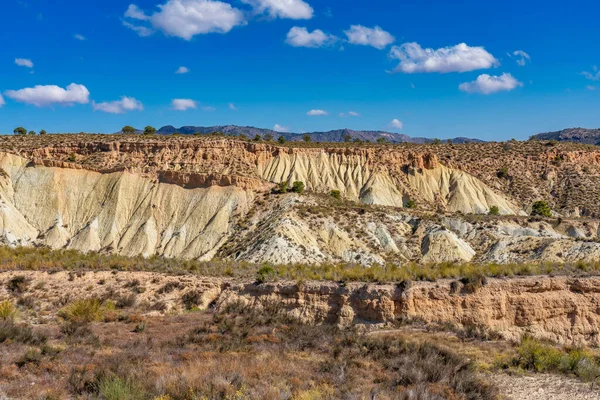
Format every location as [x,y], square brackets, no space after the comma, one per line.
[561,309]
[201,198]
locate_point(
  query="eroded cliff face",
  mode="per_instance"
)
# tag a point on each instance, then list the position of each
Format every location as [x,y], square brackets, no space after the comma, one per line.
[117,212]
[201,198]
[561,309]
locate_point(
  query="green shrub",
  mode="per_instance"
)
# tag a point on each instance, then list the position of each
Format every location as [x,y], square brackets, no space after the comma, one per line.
[17,284]
[281,140]
[410,204]
[503,173]
[494,210]
[534,355]
[541,208]
[8,311]
[298,187]
[265,274]
[283,187]
[336,194]
[20,334]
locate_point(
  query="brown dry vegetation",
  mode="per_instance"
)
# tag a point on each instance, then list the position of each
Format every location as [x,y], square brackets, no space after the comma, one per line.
[44,259]
[237,354]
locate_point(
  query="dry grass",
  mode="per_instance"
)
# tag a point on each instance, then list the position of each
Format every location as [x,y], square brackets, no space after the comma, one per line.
[43,259]
[240,354]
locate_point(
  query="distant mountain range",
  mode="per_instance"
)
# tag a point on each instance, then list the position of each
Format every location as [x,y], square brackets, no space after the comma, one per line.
[577,135]
[339,135]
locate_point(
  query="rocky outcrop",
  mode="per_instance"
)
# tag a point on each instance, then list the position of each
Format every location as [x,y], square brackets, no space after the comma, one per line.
[560,309]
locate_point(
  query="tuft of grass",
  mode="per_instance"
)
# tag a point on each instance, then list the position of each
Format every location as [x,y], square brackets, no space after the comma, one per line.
[86,310]
[8,311]
[115,388]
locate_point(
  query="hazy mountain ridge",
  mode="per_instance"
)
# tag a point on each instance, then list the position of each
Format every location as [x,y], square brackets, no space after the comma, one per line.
[328,136]
[577,135]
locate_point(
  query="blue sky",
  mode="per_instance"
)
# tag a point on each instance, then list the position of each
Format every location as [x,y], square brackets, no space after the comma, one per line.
[423,68]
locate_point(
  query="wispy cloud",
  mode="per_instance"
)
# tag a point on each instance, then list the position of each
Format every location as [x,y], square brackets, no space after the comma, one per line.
[24,62]
[522,57]
[375,37]
[119,106]
[594,75]
[182,70]
[396,124]
[183,104]
[313,113]
[281,128]
[301,37]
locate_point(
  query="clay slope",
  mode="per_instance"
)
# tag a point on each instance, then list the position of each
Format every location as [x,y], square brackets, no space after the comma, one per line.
[118,212]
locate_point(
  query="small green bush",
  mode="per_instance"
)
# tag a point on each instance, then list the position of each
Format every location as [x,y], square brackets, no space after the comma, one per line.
[336,194]
[535,355]
[541,208]
[503,173]
[18,284]
[494,210]
[283,187]
[298,187]
[410,204]
[265,274]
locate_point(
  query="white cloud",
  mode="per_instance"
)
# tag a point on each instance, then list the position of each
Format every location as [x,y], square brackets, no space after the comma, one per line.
[119,106]
[183,104]
[281,128]
[24,62]
[460,58]
[232,107]
[523,57]
[594,75]
[140,30]
[396,124]
[300,37]
[313,113]
[182,70]
[375,37]
[79,37]
[135,12]
[590,87]
[2,101]
[187,18]
[41,96]
[209,108]
[353,114]
[486,84]
[292,9]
